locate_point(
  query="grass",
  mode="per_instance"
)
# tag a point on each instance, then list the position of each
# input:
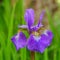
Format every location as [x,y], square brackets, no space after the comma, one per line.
[10,17]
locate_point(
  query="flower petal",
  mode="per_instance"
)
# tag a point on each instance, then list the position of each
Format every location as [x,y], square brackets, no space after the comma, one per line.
[23,26]
[40,43]
[19,40]
[32,43]
[29,17]
[42,47]
[46,39]
[41,18]
[36,27]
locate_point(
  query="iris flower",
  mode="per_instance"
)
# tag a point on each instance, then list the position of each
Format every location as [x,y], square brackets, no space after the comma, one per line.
[35,41]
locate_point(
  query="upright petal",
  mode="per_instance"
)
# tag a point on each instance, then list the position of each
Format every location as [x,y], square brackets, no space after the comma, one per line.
[29,17]
[41,18]
[19,40]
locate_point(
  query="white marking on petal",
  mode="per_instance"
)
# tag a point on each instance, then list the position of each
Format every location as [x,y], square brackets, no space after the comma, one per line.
[17,36]
[22,26]
[37,38]
[45,32]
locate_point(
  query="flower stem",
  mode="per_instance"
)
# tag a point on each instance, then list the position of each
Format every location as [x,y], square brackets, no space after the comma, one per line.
[32,55]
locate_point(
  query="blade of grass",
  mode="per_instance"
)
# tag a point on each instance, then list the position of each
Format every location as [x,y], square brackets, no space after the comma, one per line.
[2,44]
[1,57]
[7,10]
[23,51]
[56,37]
[10,32]
[46,55]
[36,56]
[52,26]
[2,39]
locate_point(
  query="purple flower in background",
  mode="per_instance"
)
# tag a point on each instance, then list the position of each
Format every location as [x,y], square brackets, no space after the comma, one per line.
[35,42]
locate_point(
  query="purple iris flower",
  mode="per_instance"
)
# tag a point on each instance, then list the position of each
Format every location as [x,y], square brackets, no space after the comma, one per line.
[36,41]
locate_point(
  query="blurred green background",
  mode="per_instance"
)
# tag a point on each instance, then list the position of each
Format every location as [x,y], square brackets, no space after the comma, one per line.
[12,14]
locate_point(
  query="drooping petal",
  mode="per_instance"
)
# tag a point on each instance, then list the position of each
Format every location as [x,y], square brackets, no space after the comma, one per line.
[40,43]
[42,47]
[50,34]
[32,43]
[19,40]
[41,18]
[29,17]
[46,39]
[47,35]
[23,26]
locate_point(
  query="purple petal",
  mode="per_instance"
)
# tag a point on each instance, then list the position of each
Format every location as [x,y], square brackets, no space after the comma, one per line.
[23,26]
[46,39]
[42,15]
[32,44]
[41,18]
[36,27]
[29,17]
[19,40]
[50,34]
[42,47]
[40,43]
